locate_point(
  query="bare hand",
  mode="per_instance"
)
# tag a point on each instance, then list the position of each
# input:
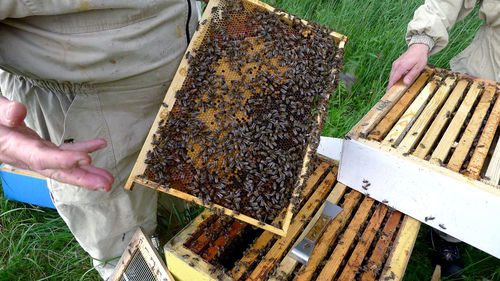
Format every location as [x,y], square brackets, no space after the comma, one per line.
[409,64]
[69,163]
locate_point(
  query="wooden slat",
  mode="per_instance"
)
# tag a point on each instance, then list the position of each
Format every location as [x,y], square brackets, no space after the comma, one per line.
[493,171]
[238,271]
[205,238]
[441,120]
[395,265]
[176,84]
[223,210]
[390,119]
[186,266]
[377,258]
[483,146]
[412,112]
[288,263]
[200,229]
[436,275]
[364,244]
[279,248]
[425,179]
[422,122]
[333,264]
[471,131]
[11,169]
[379,110]
[214,250]
[328,237]
[178,257]
[453,129]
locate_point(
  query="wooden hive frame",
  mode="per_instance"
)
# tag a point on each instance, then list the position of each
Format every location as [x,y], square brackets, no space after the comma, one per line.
[366,240]
[152,261]
[163,114]
[430,150]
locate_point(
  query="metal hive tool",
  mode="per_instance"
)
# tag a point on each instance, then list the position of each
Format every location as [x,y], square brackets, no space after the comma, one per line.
[243,113]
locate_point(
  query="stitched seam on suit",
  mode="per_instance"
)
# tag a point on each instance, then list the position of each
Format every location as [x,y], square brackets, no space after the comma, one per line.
[108,133]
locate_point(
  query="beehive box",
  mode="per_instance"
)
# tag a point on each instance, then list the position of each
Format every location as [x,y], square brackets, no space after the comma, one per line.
[366,241]
[430,150]
[243,113]
[25,186]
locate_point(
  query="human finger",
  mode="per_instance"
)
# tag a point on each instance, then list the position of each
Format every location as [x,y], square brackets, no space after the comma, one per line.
[412,74]
[11,113]
[22,147]
[80,177]
[88,146]
[397,71]
[42,158]
[99,171]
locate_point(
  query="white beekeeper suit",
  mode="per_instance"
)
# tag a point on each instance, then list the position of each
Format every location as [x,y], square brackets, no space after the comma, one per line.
[432,21]
[95,69]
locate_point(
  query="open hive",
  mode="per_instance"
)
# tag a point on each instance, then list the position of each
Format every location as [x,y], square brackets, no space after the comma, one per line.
[431,150]
[243,113]
[366,241]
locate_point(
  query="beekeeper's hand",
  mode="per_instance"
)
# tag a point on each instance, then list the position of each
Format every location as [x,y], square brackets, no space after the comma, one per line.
[409,64]
[69,163]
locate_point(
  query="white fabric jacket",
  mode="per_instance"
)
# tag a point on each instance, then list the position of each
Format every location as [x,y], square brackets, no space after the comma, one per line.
[95,69]
[91,41]
[433,20]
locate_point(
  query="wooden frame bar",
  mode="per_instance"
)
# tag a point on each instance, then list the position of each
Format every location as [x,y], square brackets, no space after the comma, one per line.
[163,113]
[141,245]
[267,257]
[418,167]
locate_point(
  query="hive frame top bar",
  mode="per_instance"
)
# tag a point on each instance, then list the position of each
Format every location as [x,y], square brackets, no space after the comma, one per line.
[186,258]
[413,154]
[163,113]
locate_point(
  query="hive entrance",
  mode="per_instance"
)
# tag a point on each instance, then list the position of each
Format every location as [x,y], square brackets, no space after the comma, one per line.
[247,113]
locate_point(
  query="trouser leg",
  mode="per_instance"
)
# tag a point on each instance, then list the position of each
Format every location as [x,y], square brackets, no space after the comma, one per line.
[103,223]
[105,228]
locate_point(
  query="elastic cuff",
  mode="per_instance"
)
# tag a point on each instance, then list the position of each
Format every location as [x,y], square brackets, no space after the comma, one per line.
[422,39]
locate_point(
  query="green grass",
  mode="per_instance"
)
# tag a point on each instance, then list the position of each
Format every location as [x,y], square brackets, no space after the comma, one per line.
[36,244]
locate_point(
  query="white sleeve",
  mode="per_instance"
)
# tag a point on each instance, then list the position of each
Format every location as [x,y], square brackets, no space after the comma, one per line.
[434,19]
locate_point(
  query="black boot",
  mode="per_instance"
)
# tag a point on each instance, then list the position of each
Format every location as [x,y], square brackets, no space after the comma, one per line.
[448,256]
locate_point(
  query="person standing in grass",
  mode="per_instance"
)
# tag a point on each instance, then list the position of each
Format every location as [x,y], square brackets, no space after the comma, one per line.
[426,35]
[81,84]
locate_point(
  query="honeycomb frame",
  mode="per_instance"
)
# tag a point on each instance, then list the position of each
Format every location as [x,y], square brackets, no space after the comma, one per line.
[170,98]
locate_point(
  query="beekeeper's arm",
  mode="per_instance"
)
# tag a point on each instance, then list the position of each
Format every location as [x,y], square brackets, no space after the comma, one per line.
[426,35]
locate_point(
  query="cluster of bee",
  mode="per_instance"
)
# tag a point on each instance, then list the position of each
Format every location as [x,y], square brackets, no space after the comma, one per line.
[254,98]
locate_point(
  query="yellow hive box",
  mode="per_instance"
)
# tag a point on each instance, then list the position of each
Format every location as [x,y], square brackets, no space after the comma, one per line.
[367,239]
